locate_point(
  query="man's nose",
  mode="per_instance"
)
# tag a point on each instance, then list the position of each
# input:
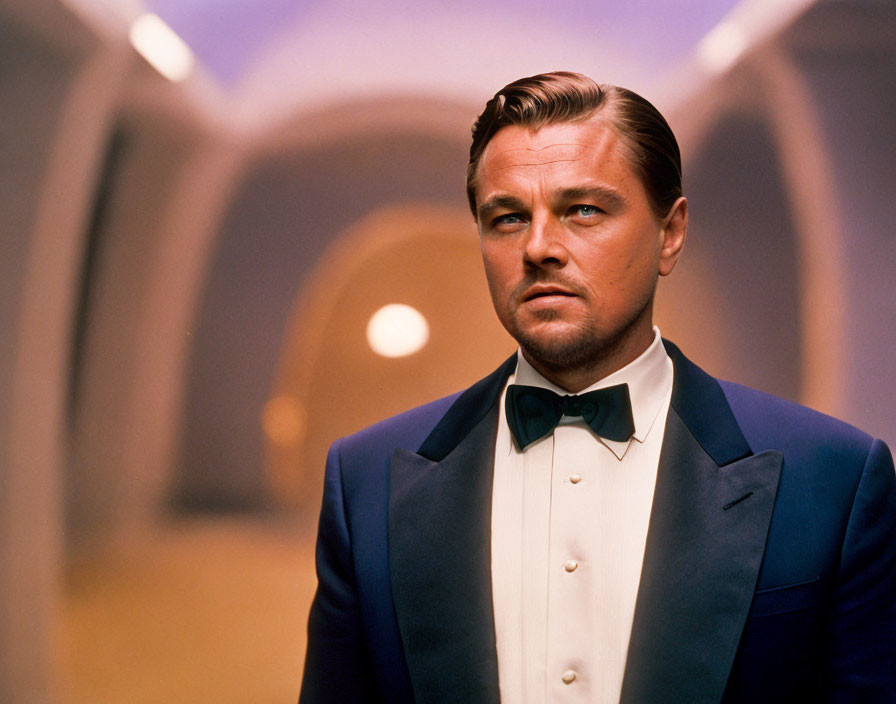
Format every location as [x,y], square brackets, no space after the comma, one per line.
[545,245]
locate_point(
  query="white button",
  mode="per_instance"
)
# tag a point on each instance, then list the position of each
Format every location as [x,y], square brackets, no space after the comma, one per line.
[570,566]
[569,677]
[575,478]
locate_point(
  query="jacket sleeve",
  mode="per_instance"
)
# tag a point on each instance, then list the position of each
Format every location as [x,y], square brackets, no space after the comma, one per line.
[336,667]
[862,642]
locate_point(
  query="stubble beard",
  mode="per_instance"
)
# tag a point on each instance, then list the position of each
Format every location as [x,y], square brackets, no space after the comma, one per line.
[580,348]
[584,347]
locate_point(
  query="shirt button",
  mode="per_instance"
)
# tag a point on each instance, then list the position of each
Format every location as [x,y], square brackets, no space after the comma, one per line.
[570,566]
[575,478]
[569,677]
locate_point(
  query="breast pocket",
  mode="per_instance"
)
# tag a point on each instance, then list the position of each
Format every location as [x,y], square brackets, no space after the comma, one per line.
[787,598]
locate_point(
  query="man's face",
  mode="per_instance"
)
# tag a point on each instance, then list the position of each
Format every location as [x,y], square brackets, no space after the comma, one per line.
[571,246]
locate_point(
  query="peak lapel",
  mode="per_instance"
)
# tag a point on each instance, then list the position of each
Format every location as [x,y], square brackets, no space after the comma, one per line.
[708,527]
[440,551]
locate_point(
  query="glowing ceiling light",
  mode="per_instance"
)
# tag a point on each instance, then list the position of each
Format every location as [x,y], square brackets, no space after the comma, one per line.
[161,47]
[397,330]
[719,49]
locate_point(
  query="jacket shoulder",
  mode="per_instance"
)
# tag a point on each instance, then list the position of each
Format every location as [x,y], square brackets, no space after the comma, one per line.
[772,423]
[406,430]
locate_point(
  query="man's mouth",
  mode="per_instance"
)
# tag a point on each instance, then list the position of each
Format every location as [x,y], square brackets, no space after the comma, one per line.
[547,291]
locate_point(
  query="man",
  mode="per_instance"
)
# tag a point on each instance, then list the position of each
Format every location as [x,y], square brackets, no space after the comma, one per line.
[599,520]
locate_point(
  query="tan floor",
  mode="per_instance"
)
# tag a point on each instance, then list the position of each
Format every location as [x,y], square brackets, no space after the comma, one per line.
[206,611]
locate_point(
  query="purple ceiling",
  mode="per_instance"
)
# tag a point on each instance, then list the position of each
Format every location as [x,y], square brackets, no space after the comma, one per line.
[227,35]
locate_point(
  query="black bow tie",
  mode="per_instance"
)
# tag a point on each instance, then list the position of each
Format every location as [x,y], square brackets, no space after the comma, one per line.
[533,412]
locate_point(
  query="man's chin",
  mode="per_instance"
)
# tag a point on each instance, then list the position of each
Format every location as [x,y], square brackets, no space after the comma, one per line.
[559,348]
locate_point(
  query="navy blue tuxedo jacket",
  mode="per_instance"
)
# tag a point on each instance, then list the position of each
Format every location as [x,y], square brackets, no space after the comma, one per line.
[769,573]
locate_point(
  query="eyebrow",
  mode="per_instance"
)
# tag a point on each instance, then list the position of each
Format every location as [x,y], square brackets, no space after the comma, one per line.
[606,195]
[498,203]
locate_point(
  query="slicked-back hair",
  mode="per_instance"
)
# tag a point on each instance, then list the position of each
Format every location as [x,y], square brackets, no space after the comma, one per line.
[563,96]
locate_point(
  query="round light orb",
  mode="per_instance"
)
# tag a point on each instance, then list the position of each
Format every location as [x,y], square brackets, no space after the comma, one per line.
[397,330]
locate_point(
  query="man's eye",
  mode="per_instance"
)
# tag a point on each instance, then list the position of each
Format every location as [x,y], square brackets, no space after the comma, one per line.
[508,219]
[586,211]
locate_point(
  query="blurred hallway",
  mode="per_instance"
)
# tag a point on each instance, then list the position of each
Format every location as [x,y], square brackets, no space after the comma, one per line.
[205,610]
[194,255]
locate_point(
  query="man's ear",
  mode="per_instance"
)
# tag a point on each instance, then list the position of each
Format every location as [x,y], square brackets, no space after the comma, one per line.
[673,233]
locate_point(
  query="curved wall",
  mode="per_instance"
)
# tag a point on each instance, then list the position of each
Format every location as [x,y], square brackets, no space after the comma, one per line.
[846,56]
[290,207]
[742,227]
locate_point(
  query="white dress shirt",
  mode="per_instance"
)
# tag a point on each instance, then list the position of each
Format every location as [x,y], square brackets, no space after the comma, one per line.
[569,526]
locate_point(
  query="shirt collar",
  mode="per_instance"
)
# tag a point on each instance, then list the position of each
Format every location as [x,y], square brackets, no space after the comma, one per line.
[649,379]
